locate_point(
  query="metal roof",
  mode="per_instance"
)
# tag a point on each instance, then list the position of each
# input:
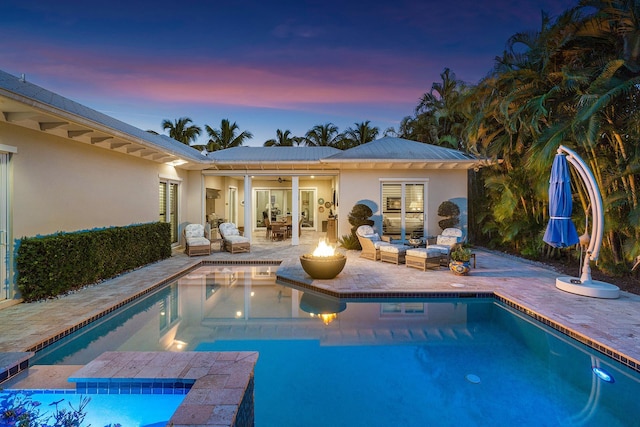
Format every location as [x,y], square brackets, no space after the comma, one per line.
[272,154]
[390,149]
[49,103]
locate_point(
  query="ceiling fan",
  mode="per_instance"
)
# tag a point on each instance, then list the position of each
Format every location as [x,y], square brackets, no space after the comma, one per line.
[280,180]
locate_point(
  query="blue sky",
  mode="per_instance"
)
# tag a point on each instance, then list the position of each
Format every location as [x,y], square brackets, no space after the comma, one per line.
[265,65]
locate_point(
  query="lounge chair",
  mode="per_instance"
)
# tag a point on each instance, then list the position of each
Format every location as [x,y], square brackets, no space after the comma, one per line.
[446,241]
[233,241]
[197,239]
[371,242]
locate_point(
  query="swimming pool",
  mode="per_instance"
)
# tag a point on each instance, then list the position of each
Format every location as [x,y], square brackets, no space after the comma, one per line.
[383,362]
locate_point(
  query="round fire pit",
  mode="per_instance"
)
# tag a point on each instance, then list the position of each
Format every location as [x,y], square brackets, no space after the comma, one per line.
[323,267]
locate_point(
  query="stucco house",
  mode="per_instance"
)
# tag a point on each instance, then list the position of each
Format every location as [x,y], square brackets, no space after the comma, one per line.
[67,167]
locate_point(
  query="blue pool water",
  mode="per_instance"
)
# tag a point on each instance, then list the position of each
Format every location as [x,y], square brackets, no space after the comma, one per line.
[376,363]
[126,410]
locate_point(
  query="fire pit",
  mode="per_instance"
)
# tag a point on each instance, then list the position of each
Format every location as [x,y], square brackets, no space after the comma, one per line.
[324,263]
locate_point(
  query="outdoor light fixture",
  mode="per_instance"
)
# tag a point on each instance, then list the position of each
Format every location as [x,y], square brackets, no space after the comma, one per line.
[603,375]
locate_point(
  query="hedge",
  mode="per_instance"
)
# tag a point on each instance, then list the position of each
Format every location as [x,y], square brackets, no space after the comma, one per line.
[48,266]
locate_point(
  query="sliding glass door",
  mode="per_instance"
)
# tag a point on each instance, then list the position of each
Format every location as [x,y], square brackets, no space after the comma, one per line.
[403,208]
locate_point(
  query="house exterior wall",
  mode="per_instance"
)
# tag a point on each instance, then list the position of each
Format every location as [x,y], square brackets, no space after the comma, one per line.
[363,186]
[64,185]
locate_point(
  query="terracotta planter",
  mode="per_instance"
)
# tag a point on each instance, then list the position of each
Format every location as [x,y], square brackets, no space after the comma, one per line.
[461,268]
[323,267]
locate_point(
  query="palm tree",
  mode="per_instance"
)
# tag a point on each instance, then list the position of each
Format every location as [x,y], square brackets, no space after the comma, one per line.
[322,135]
[362,134]
[225,137]
[283,139]
[439,111]
[180,130]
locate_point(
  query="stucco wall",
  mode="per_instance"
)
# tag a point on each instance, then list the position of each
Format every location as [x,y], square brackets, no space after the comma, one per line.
[363,186]
[63,185]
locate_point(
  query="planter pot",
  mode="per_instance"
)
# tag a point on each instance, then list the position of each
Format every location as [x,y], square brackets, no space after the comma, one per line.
[461,268]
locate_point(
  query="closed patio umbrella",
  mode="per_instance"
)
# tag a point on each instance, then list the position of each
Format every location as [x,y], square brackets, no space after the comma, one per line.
[561,232]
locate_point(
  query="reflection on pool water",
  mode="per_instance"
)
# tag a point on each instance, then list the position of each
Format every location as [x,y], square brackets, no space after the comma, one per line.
[410,362]
[131,410]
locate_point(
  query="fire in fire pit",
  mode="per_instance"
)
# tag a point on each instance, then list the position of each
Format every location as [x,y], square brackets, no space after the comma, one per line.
[324,263]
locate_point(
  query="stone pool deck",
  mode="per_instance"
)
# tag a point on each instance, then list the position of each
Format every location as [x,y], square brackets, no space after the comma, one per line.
[608,325]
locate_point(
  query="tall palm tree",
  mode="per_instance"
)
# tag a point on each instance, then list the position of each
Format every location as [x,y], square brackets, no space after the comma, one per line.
[438,110]
[226,136]
[359,135]
[180,130]
[283,139]
[322,135]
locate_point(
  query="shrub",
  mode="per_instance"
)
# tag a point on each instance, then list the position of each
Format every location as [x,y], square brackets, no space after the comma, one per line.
[358,216]
[48,266]
[349,241]
[451,212]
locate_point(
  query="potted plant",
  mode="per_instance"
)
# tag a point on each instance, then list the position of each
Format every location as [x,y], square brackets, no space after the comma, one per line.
[460,258]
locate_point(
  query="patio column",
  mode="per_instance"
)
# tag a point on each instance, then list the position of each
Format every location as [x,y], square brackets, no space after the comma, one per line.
[248,212]
[295,211]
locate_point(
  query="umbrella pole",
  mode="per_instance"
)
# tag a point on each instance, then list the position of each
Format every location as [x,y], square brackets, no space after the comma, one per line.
[585,285]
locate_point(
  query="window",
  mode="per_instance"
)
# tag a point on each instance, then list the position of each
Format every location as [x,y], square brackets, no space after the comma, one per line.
[403,209]
[168,206]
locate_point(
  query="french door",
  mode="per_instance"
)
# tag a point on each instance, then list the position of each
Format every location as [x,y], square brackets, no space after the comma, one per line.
[168,204]
[403,208]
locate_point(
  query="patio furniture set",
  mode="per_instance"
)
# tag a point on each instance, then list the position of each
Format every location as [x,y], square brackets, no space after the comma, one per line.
[376,247]
[198,239]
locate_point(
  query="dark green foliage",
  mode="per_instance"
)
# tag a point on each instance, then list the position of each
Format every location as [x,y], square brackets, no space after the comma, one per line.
[48,266]
[349,241]
[358,216]
[451,212]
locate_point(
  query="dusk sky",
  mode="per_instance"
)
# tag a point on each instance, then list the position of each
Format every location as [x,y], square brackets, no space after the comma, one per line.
[265,65]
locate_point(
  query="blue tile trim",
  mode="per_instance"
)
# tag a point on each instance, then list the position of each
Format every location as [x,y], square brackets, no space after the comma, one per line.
[128,386]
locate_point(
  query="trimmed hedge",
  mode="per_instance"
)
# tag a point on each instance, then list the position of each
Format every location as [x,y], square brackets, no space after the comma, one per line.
[48,266]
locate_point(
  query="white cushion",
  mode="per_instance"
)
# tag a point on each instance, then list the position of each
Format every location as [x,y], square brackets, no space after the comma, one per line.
[393,249]
[373,237]
[194,230]
[446,240]
[456,232]
[228,229]
[197,241]
[423,252]
[444,249]
[236,239]
[380,244]
[365,230]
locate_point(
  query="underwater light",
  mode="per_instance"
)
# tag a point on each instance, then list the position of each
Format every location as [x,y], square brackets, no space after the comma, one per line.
[603,375]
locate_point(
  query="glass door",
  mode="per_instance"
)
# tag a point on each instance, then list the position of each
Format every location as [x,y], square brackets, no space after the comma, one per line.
[403,209]
[233,205]
[308,208]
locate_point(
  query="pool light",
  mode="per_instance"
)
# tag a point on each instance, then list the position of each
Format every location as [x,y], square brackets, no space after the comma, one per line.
[603,375]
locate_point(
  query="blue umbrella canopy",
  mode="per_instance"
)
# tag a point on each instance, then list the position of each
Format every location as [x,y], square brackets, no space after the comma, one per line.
[561,232]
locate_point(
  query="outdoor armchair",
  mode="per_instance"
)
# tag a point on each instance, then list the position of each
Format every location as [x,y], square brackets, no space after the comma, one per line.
[446,241]
[197,239]
[371,242]
[233,241]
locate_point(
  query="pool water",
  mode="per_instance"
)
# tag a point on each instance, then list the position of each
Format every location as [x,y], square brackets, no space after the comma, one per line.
[132,410]
[377,363]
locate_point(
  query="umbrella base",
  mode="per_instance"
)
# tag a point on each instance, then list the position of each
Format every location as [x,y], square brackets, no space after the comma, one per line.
[590,288]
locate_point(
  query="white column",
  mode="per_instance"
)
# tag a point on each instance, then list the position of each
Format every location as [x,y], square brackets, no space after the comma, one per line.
[295,211]
[248,211]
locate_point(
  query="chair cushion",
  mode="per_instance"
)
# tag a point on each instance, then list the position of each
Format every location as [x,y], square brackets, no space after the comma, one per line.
[444,249]
[380,244]
[373,237]
[393,249]
[456,232]
[365,230]
[446,240]
[423,252]
[197,241]
[194,230]
[228,229]
[236,239]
